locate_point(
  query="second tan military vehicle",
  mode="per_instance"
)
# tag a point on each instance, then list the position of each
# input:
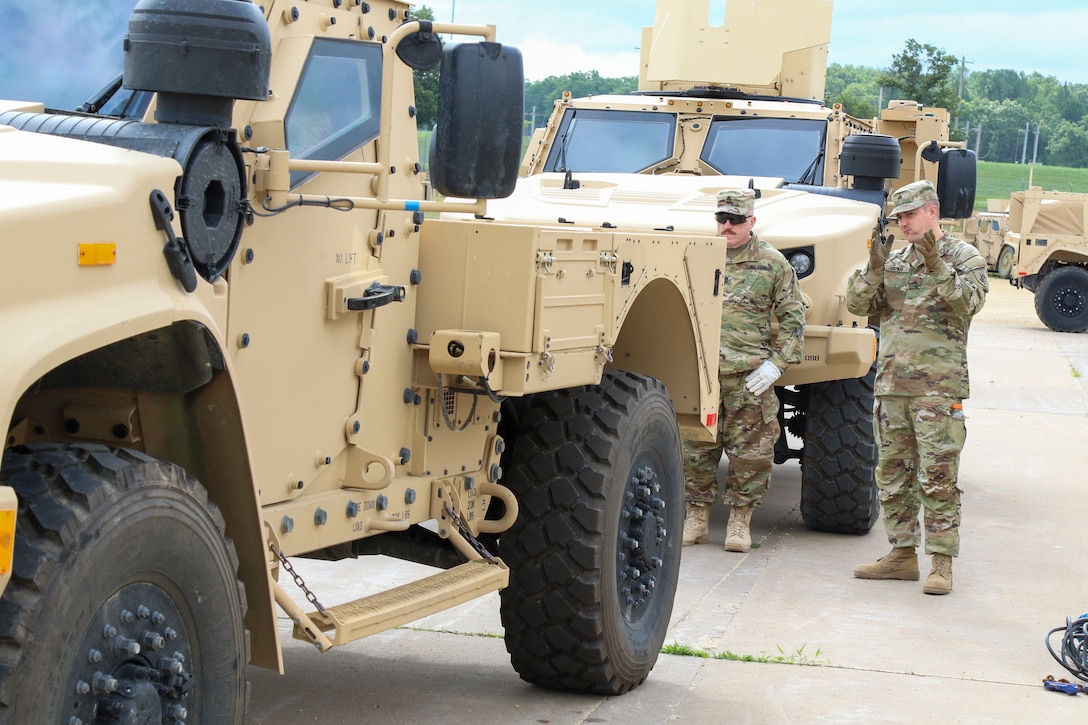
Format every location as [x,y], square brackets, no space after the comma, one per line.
[988,231]
[740,104]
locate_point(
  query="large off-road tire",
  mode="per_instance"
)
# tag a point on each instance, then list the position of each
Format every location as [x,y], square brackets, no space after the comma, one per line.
[1061,300]
[838,488]
[124,604]
[1004,262]
[595,551]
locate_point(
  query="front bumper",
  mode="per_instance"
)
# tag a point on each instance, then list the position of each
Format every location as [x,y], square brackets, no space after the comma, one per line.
[833,353]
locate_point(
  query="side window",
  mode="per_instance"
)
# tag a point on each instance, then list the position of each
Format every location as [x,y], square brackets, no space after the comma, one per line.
[337,105]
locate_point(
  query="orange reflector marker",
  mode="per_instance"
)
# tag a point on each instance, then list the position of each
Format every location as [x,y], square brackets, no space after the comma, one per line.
[7,540]
[711,420]
[98,253]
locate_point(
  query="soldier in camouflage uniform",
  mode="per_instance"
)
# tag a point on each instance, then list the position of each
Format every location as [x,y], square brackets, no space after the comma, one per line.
[758,288]
[925,296]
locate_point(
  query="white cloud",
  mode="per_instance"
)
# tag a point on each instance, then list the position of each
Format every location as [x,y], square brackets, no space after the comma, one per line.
[544,57]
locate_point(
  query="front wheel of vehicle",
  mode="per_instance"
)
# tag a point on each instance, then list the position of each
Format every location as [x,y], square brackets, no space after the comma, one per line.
[1004,262]
[838,485]
[1061,300]
[595,551]
[124,604]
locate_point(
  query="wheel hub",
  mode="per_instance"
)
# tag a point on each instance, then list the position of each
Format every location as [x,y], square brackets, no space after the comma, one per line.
[131,664]
[642,540]
[1070,302]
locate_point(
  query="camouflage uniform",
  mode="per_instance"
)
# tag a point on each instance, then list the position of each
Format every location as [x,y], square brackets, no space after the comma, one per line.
[758,285]
[921,382]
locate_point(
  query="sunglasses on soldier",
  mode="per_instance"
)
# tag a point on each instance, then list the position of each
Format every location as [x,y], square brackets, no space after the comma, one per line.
[735,219]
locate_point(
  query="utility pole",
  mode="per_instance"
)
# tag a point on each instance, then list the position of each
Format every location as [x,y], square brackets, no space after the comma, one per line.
[1027,132]
[1035,149]
[978,139]
[963,71]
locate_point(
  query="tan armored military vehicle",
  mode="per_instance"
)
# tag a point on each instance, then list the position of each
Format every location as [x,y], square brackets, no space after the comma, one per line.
[232,336]
[989,232]
[740,105]
[1050,229]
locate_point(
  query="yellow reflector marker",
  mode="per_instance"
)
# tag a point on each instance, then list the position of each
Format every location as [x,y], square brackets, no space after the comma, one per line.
[99,253]
[7,540]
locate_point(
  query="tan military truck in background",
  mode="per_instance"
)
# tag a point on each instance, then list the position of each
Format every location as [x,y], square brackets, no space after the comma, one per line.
[1050,229]
[740,105]
[232,337]
[988,232]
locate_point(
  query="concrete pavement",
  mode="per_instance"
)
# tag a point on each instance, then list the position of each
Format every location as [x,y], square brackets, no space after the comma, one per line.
[874,651]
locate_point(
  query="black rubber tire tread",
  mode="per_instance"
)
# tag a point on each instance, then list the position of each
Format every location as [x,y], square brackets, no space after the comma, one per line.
[569,467]
[838,487]
[1071,285]
[1004,262]
[91,521]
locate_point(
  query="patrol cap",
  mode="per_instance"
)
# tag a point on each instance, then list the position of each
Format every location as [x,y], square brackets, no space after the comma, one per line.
[912,196]
[737,201]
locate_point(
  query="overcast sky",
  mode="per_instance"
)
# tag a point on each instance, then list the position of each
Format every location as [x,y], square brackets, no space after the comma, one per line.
[560,36]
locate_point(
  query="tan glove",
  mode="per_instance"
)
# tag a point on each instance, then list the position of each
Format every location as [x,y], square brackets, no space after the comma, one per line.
[927,245]
[878,249]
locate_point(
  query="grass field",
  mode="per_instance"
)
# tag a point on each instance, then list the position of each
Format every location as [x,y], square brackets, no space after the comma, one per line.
[997,181]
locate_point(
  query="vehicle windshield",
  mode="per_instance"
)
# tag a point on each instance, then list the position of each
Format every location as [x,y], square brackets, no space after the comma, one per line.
[607,141]
[787,148]
[612,141]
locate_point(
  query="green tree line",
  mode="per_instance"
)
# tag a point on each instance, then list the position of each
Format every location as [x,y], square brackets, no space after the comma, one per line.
[1007,116]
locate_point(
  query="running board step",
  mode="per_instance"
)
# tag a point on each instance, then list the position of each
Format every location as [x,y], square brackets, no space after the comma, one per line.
[408,602]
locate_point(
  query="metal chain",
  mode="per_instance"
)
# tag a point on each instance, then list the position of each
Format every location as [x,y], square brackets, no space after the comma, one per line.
[310,596]
[463,529]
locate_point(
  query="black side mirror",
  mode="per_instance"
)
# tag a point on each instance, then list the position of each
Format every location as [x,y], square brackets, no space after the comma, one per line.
[957,177]
[476,147]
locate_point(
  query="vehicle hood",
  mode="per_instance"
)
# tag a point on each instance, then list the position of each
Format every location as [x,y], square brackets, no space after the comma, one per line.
[677,203]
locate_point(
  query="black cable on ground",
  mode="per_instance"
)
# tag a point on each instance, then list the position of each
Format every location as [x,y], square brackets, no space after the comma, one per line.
[1074,649]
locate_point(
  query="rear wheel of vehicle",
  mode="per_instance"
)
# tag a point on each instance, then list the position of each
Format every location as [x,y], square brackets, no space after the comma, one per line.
[1004,262]
[595,551]
[838,487]
[124,603]
[1061,300]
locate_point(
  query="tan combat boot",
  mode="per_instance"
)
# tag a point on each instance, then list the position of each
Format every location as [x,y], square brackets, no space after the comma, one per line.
[738,537]
[696,524]
[939,580]
[901,563]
